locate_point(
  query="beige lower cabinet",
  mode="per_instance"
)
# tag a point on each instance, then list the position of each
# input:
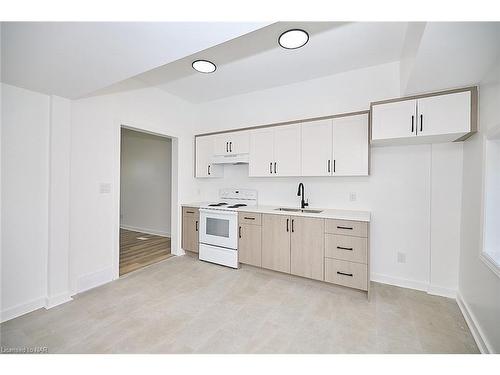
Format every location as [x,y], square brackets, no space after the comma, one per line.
[250,239]
[190,226]
[276,242]
[307,247]
[346,273]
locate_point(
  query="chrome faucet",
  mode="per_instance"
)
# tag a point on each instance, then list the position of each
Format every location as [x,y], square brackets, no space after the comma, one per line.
[303,203]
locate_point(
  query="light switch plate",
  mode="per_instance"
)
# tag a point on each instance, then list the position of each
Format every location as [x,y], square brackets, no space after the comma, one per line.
[104,188]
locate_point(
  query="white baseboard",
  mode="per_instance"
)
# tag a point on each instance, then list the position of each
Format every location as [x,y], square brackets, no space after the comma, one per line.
[146,230]
[57,300]
[22,309]
[94,279]
[396,281]
[441,291]
[477,333]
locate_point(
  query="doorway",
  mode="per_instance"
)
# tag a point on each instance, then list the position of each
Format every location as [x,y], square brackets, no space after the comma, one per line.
[145,199]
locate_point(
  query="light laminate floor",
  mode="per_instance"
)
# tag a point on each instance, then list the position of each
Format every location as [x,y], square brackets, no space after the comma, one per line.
[183,305]
[138,250]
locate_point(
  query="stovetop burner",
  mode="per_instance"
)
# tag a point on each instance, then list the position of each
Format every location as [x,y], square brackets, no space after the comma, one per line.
[237,205]
[218,204]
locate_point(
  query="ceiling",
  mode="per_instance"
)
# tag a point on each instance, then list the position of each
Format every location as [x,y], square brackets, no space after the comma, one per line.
[255,61]
[73,59]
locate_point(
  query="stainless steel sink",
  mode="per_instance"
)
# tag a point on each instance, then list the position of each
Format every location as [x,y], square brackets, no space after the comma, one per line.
[307,211]
[288,209]
[312,211]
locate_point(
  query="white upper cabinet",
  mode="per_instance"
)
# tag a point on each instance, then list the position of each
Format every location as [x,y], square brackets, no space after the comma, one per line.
[232,143]
[204,154]
[444,114]
[350,145]
[275,151]
[287,153]
[394,120]
[440,117]
[261,153]
[317,148]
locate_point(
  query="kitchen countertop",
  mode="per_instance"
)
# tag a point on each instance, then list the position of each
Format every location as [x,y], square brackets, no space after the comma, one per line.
[324,214]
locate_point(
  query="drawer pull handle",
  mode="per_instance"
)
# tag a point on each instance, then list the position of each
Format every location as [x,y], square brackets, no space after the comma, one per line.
[190,212]
[345,274]
[196,224]
[340,227]
[344,248]
[249,218]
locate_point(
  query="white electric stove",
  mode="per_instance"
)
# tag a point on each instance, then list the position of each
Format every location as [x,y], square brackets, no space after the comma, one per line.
[219,226]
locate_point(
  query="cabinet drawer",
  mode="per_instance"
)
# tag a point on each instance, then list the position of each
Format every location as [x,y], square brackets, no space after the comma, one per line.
[249,218]
[353,275]
[353,249]
[346,227]
[190,212]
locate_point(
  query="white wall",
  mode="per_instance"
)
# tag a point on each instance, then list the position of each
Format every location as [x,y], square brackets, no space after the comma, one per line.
[479,286]
[399,192]
[25,199]
[95,159]
[145,181]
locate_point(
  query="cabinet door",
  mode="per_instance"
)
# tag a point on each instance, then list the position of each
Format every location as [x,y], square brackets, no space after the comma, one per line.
[444,114]
[317,148]
[394,120]
[261,153]
[204,154]
[221,144]
[307,247]
[250,244]
[276,242]
[287,152]
[190,241]
[239,142]
[350,145]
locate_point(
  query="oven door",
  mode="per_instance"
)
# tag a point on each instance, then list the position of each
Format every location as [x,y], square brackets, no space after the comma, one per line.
[219,228]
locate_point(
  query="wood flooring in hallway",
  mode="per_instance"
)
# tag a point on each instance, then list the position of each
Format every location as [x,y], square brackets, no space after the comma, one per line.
[138,250]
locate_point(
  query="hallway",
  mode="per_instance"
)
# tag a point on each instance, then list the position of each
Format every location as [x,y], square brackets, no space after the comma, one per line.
[138,250]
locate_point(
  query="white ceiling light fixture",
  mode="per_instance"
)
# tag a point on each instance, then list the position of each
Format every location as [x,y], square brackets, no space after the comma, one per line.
[204,66]
[293,39]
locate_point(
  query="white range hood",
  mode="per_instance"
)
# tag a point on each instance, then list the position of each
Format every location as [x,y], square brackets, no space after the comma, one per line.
[231,159]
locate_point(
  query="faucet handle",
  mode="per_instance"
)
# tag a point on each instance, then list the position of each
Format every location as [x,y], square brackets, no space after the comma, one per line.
[306,204]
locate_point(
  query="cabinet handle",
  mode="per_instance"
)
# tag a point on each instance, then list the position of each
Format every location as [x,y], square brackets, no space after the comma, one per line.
[190,212]
[345,274]
[271,167]
[249,218]
[292,225]
[227,146]
[340,227]
[230,146]
[287,221]
[334,165]
[412,123]
[239,232]
[344,248]
[196,225]
[421,122]
[274,167]
[329,162]
[209,169]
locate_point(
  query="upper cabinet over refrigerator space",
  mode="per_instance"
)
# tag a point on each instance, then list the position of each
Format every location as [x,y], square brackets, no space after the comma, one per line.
[445,116]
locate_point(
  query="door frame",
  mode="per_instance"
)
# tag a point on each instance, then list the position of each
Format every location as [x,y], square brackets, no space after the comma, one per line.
[175,206]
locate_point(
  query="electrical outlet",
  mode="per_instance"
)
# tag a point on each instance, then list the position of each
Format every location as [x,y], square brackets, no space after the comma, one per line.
[352,197]
[401,257]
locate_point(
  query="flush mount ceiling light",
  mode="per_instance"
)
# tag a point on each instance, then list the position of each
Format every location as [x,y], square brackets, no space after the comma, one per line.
[204,66]
[294,38]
